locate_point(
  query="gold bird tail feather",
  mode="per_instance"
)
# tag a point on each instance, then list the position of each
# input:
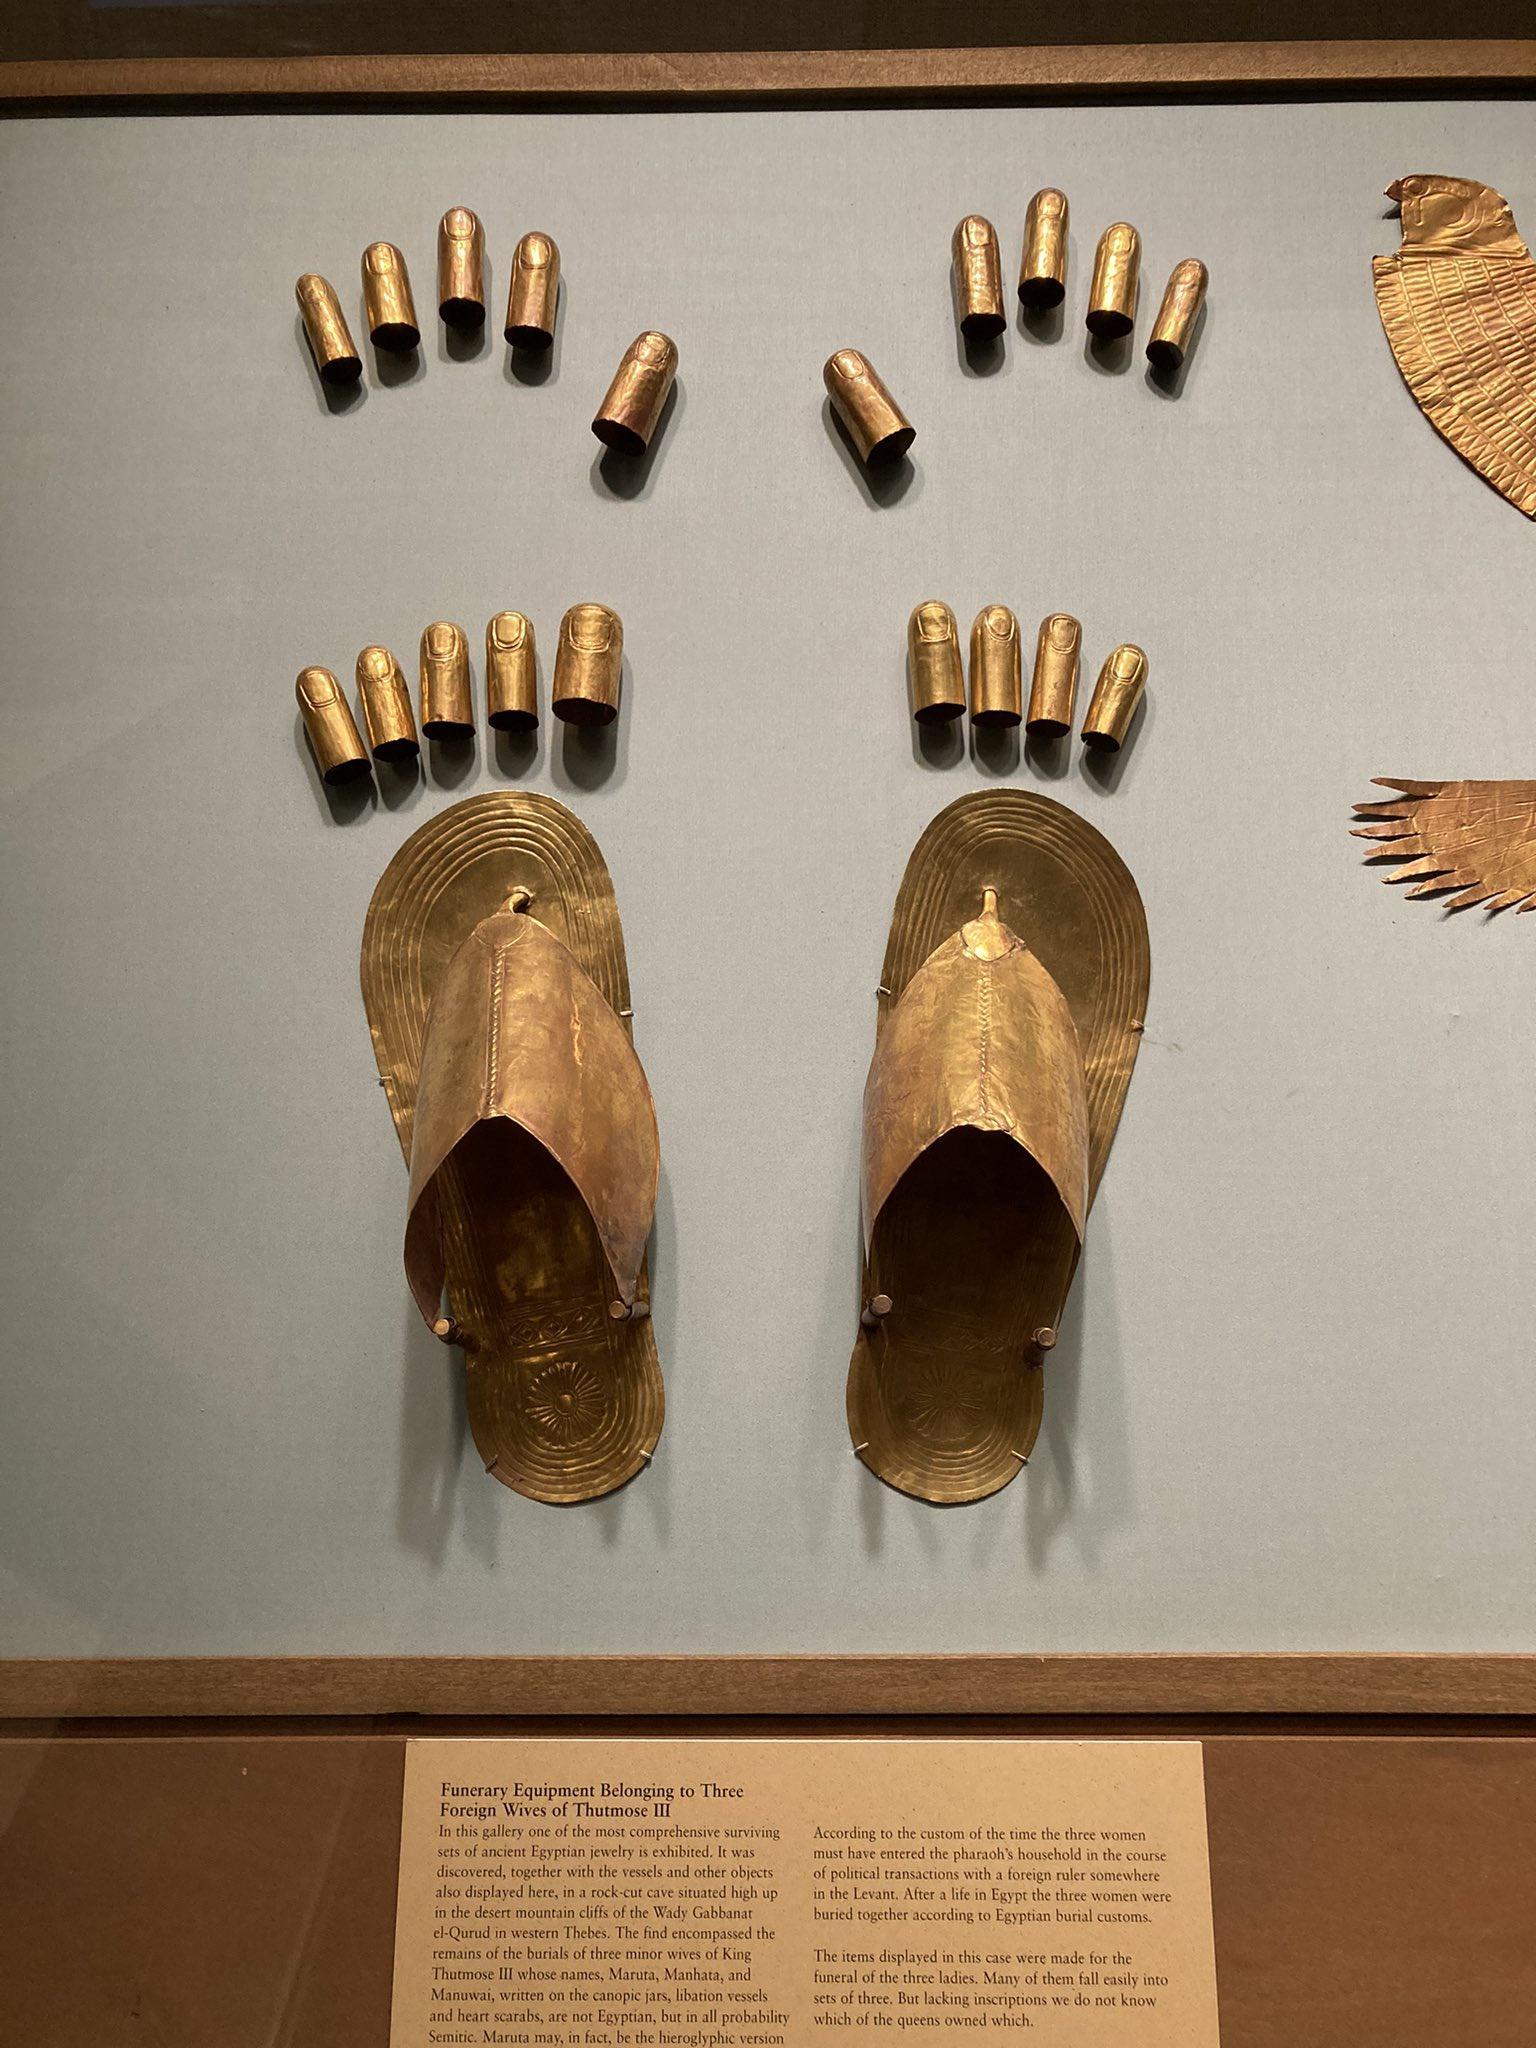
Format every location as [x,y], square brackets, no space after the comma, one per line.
[1478,838]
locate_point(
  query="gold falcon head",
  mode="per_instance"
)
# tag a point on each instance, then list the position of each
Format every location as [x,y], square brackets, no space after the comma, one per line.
[1454,213]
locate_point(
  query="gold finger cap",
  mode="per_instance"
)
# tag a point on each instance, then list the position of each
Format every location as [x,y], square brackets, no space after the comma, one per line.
[326,331]
[589,666]
[461,269]
[511,673]
[330,727]
[1043,268]
[387,713]
[997,687]
[628,415]
[935,673]
[1116,271]
[1053,688]
[1115,697]
[387,301]
[1168,343]
[447,707]
[533,296]
[876,424]
[976,269]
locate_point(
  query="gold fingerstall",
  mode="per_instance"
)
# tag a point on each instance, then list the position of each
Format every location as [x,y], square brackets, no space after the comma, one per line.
[876,424]
[1115,697]
[1168,343]
[533,297]
[511,673]
[976,271]
[387,301]
[461,270]
[1053,688]
[1043,270]
[1116,272]
[387,716]
[589,666]
[326,331]
[997,683]
[627,417]
[330,727]
[447,707]
[935,675]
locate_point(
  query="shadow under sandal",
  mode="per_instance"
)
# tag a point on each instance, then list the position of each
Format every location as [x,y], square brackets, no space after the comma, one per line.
[1001,1066]
[497,994]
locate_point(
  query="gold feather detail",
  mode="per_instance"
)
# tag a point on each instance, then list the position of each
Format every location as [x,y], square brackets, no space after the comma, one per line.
[1478,838]
[1458,302]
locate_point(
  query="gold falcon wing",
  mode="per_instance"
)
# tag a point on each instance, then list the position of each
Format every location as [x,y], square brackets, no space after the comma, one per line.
[1462,325]
[1475,837]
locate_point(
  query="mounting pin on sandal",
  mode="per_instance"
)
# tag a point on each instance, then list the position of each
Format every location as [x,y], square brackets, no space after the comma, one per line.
[628,1311]
[875,1310]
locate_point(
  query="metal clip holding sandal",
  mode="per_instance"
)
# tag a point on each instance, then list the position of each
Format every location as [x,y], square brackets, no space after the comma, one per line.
[496,990]
[1001,1066]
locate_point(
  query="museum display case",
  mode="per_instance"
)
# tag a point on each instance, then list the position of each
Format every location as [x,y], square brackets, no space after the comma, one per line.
[1197,1410]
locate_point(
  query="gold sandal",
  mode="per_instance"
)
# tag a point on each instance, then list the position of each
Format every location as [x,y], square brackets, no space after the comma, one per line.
[1001,1066]
[498,997]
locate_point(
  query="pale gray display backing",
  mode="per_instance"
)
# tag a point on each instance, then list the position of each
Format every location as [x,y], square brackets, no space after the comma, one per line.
[1294,1405]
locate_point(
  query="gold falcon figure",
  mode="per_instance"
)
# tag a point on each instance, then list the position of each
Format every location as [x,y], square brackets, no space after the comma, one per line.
[1458,301]
[1478,838]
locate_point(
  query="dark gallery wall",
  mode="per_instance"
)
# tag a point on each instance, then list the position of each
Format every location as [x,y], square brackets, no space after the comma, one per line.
[275,28]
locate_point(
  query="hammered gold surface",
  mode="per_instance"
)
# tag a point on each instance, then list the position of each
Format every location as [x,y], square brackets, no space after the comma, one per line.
[1476,838]
[1458,302]
[565,1399]
[1010,902]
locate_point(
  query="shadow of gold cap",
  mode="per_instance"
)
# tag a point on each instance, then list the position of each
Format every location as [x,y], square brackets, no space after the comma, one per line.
[935,674]
[461,269]
[976,272]
[325,329]
[589,666]
[533,295]
[447,707]
[1116,272]
[1043,269]
[629,413]
[1115,697]
[387,714]
[1174,329]
[387,301]
[997,684]
[511,673]
[876,424]
[1053,688]
[330,727]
